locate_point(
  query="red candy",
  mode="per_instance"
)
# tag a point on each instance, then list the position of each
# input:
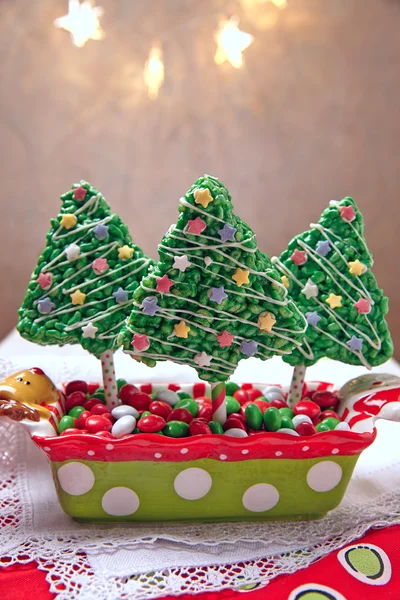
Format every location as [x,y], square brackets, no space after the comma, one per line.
[180,414]
[82,418]
[76,386]
[99,409]
[279,403]
[233,422]
[97,423]
[247,386]
[205,412]
[88,404]
[198,427]
[306,407]
[140,401]
[325,399]
[75,399]
[162,409]
[151,424]
[262,405]
[71,430]
[253,394]
[127,392]
[105,434]
[92,387]
[329,413]
[306,429]
[203,400]
[241,396]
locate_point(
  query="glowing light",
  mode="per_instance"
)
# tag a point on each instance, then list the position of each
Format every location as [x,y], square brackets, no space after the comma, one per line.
[231,42]
[279,3]
[82,21]
[153,73]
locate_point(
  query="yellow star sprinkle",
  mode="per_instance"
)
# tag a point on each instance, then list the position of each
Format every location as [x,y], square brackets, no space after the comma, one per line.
[181,330]
[125,252]
[202,196]
[285,281]
[356,267]
[266,321]
[78,297]
[68,221]
[241,276]
[334,301]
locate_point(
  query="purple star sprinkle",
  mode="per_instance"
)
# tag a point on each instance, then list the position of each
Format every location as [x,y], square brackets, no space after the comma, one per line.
[45,306]
[249,348]
[323,248]
[100,232]
[150,306]
[313,318]
[217,294]
[120,295]
[355,344]
[227,233]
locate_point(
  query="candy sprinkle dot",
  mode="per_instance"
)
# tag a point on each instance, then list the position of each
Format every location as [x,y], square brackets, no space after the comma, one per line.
[223,457]
[109,447]
[184,451]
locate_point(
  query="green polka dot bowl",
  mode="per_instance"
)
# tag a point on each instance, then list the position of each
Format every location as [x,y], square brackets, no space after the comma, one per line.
[210,478]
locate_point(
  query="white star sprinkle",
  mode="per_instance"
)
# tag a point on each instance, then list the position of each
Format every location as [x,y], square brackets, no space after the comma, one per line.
[73,252]
[181,263]
[310,290]
[202,359]
[89,331]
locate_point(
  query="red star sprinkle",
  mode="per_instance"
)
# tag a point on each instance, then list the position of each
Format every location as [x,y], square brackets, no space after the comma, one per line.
[299,257]
[45,280]
[79,193]
[140,342]
[100,265]
[196,226]
[363,306]
[225,339]
[347,213]
[164,284]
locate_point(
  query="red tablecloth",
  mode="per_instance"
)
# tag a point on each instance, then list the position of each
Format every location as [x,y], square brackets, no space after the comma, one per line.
[375,574]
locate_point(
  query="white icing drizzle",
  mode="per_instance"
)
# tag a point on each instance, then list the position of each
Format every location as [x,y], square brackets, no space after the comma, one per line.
[203,212]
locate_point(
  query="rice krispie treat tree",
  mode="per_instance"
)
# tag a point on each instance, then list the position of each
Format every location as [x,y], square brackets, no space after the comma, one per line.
[82,288]
[213,298]
[327,270]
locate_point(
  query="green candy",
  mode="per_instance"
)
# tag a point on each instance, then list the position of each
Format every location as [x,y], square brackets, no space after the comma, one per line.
[66,422]
[99,394]
[215,427]
[76,411]
[254,416]
[330,422]
[120,383]
[176,429]
[231,388]
[190,405]
[136,430]
[322,427]
[262,398]
[272,419]
[145,413]
[286,412]
[232,405]
[286,422]
[183,395]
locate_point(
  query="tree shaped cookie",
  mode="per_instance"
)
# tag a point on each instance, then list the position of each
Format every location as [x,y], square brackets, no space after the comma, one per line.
[328,273]
[82,288]
[213,298]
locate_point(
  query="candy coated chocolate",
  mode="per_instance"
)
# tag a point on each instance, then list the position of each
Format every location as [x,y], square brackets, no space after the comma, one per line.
[215,427]
[180,414]
[330,422]
[170,397]
[76,412]
[160,408]
[232,405]
[176,429]
[66,422]
[253,394]
[75,399]
[236,433]
[151,424]
[76,386]
[325,399]
[189,404]
[99,409]
[124,409]
[272,419]
[140,400]
[198,427]
[231,388]
[254,416]
[306,429]
[307,407]
[286,423]
[122,427]
[241,396]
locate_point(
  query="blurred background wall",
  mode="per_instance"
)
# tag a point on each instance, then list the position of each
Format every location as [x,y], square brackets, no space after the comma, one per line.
[312,115]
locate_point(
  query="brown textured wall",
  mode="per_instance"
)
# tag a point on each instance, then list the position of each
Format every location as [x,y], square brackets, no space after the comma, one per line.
[313,116]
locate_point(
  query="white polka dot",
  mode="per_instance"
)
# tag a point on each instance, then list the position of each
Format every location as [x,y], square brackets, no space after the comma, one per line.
[76,478]
[305,448]
[184,451]
[223,456]
[193,483]
[46,449]
[91,452]
[109,447]
[260,497]
[278,453]
[245,451]
[120,502]
[335,451]
[157,455]
[324,476]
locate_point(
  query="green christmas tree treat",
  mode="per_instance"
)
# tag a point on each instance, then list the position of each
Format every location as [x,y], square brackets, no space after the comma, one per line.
[327,270]
[82,288]
[213,298]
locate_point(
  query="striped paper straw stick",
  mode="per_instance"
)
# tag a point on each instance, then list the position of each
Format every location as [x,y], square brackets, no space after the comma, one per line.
[218,395]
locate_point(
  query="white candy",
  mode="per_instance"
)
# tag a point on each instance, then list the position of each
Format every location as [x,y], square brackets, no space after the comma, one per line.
[274,396]
[343,426]
[287,430]
[297,419]
[123,426]
[236,432]
[272,388]
[168,396]
[123,410]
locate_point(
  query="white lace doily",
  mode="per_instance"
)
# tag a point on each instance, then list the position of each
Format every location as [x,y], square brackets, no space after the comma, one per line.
[151,560]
